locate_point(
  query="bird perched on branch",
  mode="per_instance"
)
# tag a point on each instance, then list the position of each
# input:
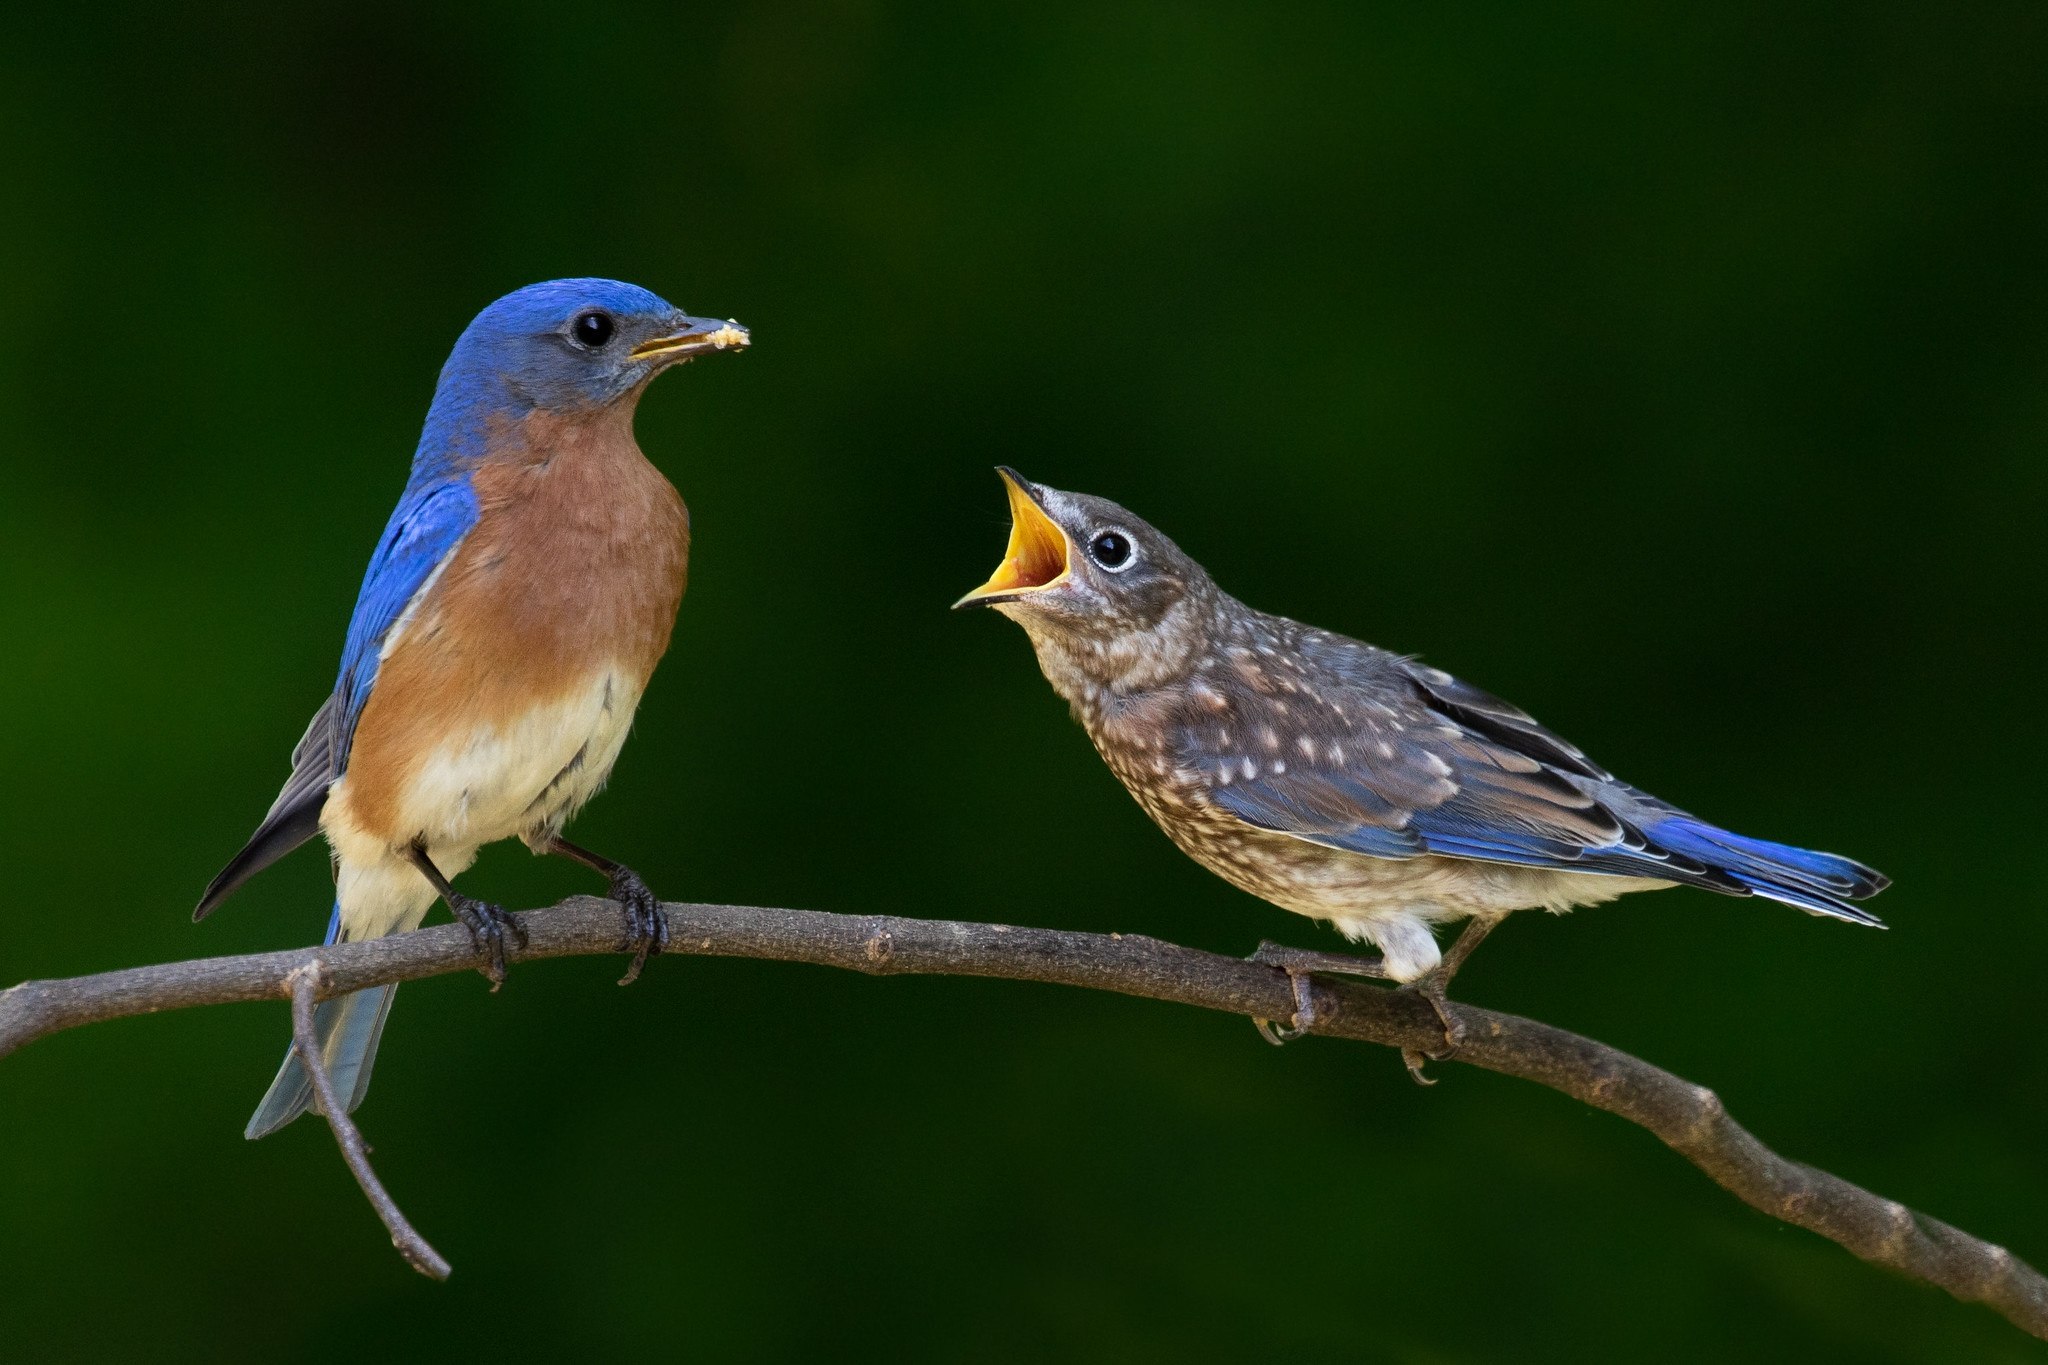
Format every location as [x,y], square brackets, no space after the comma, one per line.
[512,614]
[1340,781]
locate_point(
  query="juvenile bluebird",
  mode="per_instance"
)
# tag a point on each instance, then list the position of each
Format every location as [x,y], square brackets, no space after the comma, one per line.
[1340,781]
[513,612]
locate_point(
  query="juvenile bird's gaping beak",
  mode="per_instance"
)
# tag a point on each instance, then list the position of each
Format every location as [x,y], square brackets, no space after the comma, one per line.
[693,337]
[1037,556]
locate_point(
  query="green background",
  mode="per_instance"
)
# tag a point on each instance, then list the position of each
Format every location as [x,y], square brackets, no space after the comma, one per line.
[1678,375]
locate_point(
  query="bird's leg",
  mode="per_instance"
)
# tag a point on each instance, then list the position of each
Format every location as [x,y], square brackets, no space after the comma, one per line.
[646,926]
[487,924]
[1432,984]
[1299,963]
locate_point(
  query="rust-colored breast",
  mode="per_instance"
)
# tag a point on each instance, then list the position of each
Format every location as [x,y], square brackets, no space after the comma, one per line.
[577,562]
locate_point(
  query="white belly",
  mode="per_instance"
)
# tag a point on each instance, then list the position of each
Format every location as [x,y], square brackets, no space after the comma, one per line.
[523,776]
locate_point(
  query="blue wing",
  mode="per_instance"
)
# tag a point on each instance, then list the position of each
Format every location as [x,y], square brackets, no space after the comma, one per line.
[1394,760]
[429,522]
[427,525]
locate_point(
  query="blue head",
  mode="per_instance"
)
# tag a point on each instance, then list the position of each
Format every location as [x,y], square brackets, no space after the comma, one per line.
[562,346]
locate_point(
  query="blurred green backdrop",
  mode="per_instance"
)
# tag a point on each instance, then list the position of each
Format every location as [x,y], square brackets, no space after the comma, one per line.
[1682,376]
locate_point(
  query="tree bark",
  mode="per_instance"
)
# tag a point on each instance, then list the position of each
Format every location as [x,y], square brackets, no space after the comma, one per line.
[1688,1118]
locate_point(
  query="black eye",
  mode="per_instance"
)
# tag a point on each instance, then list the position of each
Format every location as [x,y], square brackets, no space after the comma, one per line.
[593,329]
[1111,549]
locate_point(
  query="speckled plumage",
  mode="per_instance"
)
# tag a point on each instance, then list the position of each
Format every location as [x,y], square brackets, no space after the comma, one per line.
[1338,780]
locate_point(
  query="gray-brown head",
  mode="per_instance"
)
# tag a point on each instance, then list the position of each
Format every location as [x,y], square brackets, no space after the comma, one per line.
[1108,601]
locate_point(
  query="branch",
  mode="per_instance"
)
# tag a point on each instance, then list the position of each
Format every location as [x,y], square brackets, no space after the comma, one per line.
[1689,1119]
[303,984]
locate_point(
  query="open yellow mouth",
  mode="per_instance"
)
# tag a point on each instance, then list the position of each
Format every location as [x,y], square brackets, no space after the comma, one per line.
[704,335]
[1037,555]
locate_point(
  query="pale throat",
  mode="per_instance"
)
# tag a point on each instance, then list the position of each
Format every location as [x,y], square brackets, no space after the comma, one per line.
[1090,671]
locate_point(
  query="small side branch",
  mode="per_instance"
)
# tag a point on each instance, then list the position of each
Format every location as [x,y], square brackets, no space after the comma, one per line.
[1688,1118]
[304,984]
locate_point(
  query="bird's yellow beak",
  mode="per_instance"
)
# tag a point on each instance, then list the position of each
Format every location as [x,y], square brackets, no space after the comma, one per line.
[694,338]
[1037,556]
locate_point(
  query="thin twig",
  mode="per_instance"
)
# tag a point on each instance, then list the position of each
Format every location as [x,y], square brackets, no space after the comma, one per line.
[1688,1118]
[304,984]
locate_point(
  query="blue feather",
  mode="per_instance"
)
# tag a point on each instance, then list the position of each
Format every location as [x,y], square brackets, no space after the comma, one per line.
[1262,806]
[428,523]
[348,1031]
[516,357]
[1822,883]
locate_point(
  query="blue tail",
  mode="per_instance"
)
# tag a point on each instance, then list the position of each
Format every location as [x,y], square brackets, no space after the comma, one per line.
[1819,883]
[348,1030]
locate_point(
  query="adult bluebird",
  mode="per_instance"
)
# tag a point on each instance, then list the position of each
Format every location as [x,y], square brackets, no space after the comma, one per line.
[511,617]
[1340,781]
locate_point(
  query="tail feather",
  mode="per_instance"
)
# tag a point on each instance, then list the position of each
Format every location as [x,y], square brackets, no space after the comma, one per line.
[383,898]
[1819,883]
[347,1030]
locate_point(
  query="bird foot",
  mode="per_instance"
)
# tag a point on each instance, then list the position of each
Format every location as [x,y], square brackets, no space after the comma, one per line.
[1431,986]
[488,927]
[1300,964]
[646,925]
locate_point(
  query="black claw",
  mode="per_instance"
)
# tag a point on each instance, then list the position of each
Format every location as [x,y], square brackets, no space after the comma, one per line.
[646,925]
[488,926]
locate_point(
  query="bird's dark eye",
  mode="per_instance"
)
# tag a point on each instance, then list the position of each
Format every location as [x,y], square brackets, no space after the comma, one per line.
[1111,549]
[593,329]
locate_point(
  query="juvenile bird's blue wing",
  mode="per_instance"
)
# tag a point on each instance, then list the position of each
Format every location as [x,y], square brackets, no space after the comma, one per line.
[1656,839]
[1379,773]
[1360,750]
[429,522]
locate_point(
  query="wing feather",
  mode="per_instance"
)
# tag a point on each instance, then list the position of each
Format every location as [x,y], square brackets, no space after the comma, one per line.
[423,533]
[1391,759]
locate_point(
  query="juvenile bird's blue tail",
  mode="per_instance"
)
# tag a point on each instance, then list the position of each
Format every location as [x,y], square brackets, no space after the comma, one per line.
[347,1030]
[1818,883]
